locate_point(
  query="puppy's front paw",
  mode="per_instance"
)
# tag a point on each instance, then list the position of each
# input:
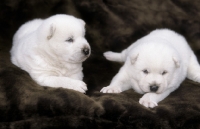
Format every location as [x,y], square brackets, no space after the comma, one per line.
[111,89]
[148,100]
[79,86]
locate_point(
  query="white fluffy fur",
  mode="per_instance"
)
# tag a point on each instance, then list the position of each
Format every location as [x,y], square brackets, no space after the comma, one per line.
[162,58]
[52,51]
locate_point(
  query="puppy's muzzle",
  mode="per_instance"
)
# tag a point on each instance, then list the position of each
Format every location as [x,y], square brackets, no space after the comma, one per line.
[86,51]
[154,88]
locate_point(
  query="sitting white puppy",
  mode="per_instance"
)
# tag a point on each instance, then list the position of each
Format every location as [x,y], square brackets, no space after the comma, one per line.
[155,65]
[52,51]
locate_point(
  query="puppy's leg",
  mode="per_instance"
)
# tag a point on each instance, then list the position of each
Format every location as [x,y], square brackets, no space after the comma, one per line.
[64,82]
[114,56]
[119,83]
[193,71]
[150,100]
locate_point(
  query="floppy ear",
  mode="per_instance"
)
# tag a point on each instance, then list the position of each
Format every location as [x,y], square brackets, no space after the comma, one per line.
[176,62]
[51,32]
[133,58]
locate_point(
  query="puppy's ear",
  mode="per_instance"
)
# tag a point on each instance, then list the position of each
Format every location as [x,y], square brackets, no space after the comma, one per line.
[133,58]
[51,32]
[176,62]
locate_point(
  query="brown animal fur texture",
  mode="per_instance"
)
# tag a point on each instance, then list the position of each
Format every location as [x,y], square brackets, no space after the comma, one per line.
[110,25]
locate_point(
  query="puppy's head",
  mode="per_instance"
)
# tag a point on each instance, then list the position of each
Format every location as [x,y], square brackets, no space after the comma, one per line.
[154,70]
[62,37]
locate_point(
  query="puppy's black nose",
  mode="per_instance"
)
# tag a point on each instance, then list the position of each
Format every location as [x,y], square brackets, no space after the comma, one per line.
[153,88]
[86,51]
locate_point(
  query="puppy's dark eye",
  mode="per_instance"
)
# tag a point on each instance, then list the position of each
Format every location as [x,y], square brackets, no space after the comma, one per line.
[70,39]
[164,72]
[145,71]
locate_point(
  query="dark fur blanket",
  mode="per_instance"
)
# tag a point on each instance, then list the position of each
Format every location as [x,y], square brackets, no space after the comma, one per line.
[110,25]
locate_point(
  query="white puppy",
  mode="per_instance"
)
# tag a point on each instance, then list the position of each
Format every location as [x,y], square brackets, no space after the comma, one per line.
[155,65]
[52,51]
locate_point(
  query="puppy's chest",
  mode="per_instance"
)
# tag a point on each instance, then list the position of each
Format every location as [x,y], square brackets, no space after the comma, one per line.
[56,68]
[65,71]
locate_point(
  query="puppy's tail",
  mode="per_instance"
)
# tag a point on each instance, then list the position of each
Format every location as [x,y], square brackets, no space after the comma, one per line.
[193,72]
[114,56]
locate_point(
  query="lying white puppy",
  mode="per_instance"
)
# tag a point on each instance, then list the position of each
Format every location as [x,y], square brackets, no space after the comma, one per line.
[155,65]
[52,51]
